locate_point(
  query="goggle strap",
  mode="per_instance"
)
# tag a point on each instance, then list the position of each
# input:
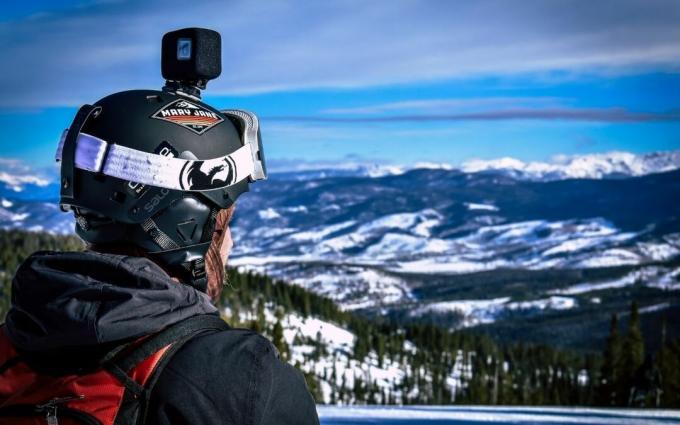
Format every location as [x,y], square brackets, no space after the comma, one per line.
[98,156]
[68,146]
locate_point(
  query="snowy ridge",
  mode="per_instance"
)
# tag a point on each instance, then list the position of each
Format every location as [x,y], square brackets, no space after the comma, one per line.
[594,166]
[361,259]
[653,277]
[590,166]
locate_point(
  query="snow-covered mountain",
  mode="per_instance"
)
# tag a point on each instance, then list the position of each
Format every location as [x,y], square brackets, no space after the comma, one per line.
[594,166]
[406,243]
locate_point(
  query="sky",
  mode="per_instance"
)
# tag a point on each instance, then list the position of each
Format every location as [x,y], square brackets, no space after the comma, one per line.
[395,82]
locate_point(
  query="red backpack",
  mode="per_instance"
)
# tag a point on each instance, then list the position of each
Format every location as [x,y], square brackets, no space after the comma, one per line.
[116,393]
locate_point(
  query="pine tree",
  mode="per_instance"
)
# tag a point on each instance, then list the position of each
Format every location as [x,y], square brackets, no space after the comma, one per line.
[261,318]
[307,304]
[633,357]
[380,347]
[610,372]
[278,340]
[668,365]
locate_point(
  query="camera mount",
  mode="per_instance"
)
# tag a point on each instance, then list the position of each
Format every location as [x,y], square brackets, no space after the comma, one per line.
[190,57]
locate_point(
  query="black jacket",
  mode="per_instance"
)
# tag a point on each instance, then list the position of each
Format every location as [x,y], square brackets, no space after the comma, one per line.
[70,308]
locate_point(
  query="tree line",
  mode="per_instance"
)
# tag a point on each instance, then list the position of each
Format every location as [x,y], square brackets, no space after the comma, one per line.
[631,376]
[438,366]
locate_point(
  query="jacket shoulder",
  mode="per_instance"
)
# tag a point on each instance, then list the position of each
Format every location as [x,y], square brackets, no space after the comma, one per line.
[234,374]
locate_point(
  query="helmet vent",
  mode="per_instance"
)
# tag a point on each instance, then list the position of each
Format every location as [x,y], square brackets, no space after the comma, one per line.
[118,197]
[187,229]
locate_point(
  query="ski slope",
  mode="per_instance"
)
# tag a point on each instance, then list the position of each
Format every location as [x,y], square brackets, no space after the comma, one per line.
[430,415]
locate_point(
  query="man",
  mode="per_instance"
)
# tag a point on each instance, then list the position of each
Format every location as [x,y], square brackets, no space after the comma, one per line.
[152,178]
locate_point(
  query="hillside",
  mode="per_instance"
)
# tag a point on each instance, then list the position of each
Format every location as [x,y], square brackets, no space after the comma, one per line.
[349,359]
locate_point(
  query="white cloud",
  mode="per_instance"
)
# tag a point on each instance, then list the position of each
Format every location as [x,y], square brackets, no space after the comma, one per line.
[58,58]
[446,105]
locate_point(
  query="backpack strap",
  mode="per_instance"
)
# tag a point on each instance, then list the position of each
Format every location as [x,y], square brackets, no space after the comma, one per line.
[179,333]
[170,339]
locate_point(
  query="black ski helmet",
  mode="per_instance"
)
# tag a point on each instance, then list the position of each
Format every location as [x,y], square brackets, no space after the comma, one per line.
[153,168]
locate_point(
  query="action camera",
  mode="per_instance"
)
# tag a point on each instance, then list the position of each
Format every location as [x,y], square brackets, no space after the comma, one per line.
[191,57]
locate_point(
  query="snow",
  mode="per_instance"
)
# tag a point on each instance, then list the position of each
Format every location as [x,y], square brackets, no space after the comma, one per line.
[319,233]
[593,166]
[20,217]
[474,312]
[237,261]
[268,214]
[444,265]
[396,243]
[484,207]
[340,243]
[263,232]
[552,303]
[659,251]
[654,308]
[478,312]
[583,288]
[490,414]
[652,276]
[16,181]
[392,221]
[407,243]
[477,165]
[356,287]
[310,327]
[338,344]
[559,167]
[666,279]
[420,222]
[571,246]
[433,166]
[9,216]
[610,258]
[296,209]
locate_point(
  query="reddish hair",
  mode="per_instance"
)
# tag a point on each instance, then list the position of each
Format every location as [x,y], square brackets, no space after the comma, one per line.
[214,267]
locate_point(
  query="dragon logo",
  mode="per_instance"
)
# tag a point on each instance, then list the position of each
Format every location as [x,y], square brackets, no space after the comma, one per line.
[201,176]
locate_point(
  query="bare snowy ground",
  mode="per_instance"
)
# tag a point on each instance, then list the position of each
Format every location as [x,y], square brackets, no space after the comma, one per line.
[335,415]
[362,263]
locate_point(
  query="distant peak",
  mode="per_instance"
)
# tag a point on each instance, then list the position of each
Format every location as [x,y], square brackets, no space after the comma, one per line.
[593,166]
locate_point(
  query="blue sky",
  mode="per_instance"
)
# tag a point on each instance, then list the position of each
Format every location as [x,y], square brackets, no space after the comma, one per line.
[385,81]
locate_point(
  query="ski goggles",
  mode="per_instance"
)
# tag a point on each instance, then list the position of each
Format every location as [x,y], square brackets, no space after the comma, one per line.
[90,153]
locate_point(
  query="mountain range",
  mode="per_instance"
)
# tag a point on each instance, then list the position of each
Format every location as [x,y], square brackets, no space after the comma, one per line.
[532,251]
